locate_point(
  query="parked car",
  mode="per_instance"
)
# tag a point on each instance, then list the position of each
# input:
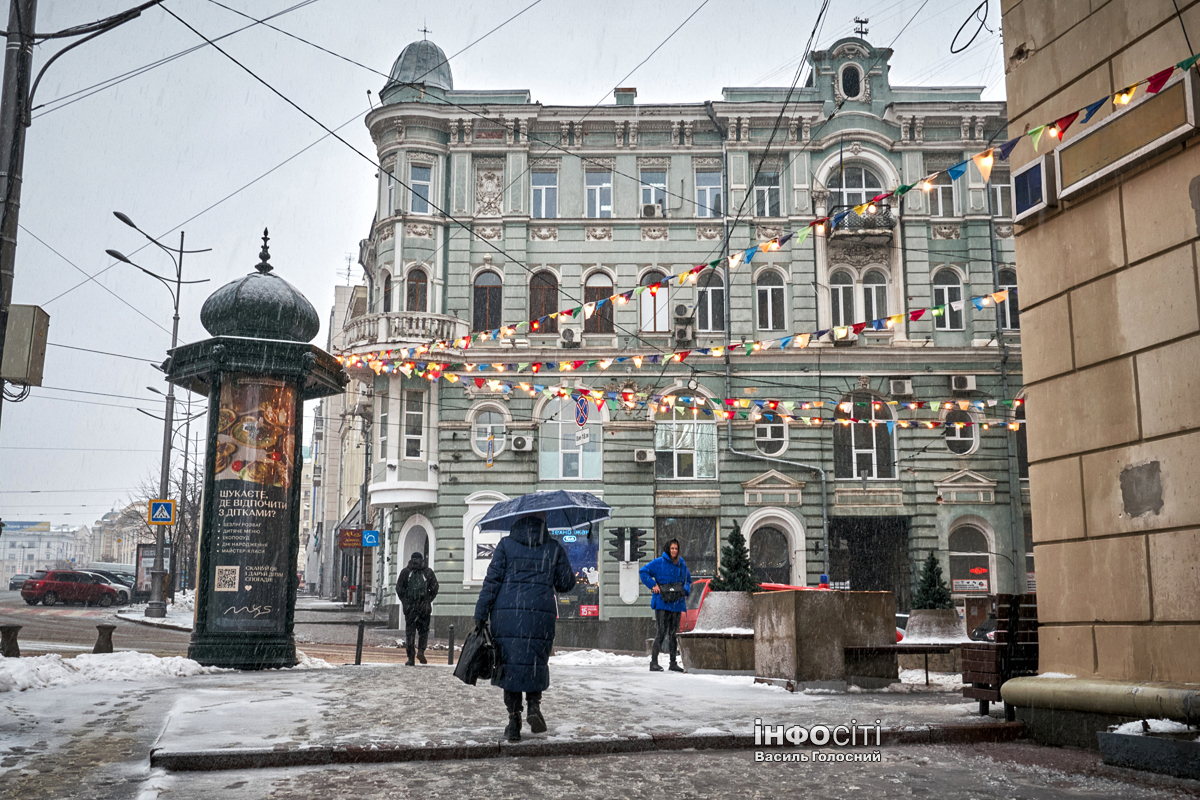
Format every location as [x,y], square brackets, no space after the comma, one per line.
[15,581]
[986,631]
[67,586]
[123,591]
[122,578]
[700,590]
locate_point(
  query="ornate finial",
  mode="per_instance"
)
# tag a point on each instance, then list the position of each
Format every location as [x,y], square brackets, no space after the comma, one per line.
[424,31]
[264,256]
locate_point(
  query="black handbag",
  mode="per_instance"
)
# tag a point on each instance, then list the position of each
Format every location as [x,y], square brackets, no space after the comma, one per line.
[671,592]
[478,658]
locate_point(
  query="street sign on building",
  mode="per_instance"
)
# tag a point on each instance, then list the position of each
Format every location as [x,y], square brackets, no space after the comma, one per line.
[581,411]
[162,512]
[350,538]
[370,538]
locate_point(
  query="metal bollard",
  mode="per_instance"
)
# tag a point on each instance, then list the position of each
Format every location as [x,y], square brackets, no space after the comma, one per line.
[104,639]
[358,650]
[450,654]
[8,641]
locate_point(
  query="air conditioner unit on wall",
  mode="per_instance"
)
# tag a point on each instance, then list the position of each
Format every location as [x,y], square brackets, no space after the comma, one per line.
[522,443]
[962,383]
[568,336]
[900,388]
[643,456]
[652,211]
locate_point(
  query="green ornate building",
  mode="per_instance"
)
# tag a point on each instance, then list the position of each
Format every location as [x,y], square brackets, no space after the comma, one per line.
[494,209]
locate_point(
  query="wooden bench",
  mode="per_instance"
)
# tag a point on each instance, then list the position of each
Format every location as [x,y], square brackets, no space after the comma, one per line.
[987,665]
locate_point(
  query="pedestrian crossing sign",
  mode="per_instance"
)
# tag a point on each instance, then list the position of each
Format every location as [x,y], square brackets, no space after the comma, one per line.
[162,512]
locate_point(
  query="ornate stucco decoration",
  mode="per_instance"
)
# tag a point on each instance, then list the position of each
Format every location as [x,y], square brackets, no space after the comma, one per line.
[490,233]
[633,131]
[918,129]
[598,234]
[543,233]
[768,232]
[489,192]
[688,128]
[947,232]
[706,162]
[1004,231]
[421,157]
[652,233]
[653,162]
[419,230]
[454,123]
[850,50]
[855,148]
[386,232]
[709,233]
[793,123]
[858,254]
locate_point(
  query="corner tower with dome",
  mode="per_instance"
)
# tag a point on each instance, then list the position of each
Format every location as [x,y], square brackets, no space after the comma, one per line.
[493,209]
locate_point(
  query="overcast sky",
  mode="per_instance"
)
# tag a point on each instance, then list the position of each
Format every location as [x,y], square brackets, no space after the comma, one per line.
[167,144]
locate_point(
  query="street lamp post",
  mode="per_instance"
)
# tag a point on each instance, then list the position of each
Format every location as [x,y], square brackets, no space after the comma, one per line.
[157,607]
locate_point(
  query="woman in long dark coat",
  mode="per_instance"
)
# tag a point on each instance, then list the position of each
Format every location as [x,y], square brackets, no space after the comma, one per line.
[528,567]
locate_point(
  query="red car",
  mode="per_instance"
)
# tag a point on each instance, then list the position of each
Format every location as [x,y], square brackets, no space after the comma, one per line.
[67,586]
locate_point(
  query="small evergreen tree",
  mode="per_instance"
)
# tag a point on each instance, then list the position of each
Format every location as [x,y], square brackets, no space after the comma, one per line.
[736,574]
[932,592]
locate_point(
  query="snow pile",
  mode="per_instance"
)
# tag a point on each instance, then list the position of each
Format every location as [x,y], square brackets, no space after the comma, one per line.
[185,601]
[19,674]
[742,631]
[1155,725]
[178,617]
[1056,675]
[305,661]
[934,639]
[596,658]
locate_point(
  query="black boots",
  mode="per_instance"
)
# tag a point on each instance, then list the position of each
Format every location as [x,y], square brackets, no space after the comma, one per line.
[513,731]
[421,657]
[410,662]
[537,723]
[675,667]
[655,666]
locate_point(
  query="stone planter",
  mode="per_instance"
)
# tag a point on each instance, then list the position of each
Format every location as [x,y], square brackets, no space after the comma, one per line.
[929,625]
[723,640]
[724,610]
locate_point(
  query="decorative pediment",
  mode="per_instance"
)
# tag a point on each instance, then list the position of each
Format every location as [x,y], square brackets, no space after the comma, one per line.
[966,486]
[772,488]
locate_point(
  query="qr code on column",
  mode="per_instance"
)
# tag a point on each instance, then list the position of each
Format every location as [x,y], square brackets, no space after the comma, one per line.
[227,579]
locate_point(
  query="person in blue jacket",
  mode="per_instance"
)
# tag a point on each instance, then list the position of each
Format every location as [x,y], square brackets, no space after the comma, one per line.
[528,567]
[666,569]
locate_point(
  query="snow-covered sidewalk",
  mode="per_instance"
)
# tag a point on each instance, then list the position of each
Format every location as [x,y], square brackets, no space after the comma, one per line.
[180,614]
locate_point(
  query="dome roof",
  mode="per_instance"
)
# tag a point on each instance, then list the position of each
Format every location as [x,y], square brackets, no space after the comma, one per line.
[262,306]
[422,62]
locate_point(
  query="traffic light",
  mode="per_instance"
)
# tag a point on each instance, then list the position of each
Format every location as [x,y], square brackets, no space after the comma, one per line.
[618,551]
[636,541]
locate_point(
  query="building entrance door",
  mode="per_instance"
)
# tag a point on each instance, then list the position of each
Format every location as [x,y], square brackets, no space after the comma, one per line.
[769,555]
[871,554]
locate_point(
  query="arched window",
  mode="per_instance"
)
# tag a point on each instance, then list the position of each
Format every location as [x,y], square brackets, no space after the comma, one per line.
[969,561]
[488,422]
[947,291]
[771,315]
[599,287]
[770,556]
[710,302]
[559,457]
[853,185]
[841,298]
[488,303]
[851,82]
[863,448]
[543,300]
[685,441]
[387,293]
[960,433]
[874,295]
[1009,310]
[417,290]
[770,434]
[654,308]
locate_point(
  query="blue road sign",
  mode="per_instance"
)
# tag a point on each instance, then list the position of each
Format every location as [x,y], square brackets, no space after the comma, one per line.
[162,512]
[581,411]
[370,539]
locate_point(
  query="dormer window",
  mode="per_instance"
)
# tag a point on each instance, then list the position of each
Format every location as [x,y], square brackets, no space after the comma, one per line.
[851,82]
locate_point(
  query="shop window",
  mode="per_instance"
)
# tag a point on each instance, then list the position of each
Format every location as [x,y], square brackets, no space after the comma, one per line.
[969,561]
[697,538]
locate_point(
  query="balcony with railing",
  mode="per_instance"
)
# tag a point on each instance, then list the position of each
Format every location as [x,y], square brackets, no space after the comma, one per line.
[402,328]
[874,228]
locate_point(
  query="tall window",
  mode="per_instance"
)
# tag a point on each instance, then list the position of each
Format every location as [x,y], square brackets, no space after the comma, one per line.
[417,290]
[1001,194]
[545,195]
[769,555]
[960,440]
[391,193]
[488,422]
[941,196]
[874,295]
[487,312]
[381,402]
[598,287]
[654,318]
[766,194]
[1022,444]
[841,298]
[685,442]
[861,449]
[560,458]
[654,188]
[770,436]
[969,561]
[710,302]
[543,300]
[387,293]
[851,82]
[1009,310]
[709,197]
[697,537]
[947,290]
[853,185]
[770,301]
[599,195]
[421,180]
[414,424]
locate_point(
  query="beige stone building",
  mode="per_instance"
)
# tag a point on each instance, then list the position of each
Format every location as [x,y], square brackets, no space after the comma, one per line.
[1108,291]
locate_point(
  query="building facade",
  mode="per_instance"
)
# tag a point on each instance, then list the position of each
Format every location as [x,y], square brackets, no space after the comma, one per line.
[494,210]
[29,546]
[1109,288]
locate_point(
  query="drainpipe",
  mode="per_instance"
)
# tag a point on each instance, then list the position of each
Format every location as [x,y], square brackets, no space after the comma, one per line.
[708,107]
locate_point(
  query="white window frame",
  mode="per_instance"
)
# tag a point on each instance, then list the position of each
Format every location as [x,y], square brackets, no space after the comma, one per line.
[839,293]
[499,438]
[596,193]
[941,198]
[942,297]
[874,296]
[653,308]
[382,401]
[1005,308]
[857,195]
[881,416]
[538,205]
[391,193]
[763,430]
[411,395]
[1001,197]
[676,430]
[654,193]
[708,299]
[558,421]
[764,194]
[767,292]
[967,433]
[705,193]
[415,197]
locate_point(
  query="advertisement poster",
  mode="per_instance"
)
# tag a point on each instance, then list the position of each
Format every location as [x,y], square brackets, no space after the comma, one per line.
[252,520]
[145,563]
[970,585]
[583,551]
[484,544]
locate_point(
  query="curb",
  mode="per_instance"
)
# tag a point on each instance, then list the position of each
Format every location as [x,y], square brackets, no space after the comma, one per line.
[261,758]
[166,625]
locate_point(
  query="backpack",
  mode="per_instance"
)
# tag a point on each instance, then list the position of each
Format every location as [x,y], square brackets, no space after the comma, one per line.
[415,589]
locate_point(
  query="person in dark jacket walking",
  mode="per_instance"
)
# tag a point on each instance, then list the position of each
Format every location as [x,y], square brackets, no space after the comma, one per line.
[528,567]
[669,568]
[416,587]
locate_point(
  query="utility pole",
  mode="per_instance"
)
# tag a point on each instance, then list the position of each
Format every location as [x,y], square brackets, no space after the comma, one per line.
[14,118]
